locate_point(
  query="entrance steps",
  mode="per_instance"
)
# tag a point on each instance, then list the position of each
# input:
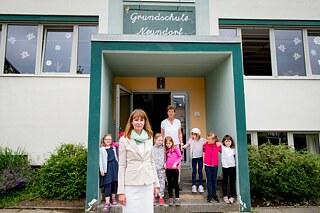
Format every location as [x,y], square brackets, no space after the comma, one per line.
[190,202]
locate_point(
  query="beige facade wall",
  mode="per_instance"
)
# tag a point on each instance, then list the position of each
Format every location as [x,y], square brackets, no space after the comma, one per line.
[194,86]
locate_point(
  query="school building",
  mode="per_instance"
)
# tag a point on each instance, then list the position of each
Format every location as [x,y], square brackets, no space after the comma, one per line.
[71,71]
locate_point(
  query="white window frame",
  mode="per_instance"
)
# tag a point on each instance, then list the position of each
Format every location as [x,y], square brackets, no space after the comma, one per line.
[2,46]
[45,30]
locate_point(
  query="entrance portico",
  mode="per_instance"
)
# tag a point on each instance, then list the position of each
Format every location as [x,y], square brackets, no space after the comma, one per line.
[217,60]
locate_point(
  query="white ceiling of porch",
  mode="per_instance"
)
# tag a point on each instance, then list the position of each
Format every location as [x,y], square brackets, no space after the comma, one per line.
[166,64]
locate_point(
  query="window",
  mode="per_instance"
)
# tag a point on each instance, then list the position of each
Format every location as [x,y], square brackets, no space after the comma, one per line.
[256,52]
[314,50]
[290,53]
[58,49]
[249,139]
[272,137]
[84,48]
[308,142]
[227,32]
[21,47]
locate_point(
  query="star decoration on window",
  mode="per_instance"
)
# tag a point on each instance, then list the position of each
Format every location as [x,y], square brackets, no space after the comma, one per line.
[68,35]
[313,52]
[296,56]
[57,47]
[24,54]
[30,36]
[316,40]
[48,62]
[282,48]
[12,40]
[296,40]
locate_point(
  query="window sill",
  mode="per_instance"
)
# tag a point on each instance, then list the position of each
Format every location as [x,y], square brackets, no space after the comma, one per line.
[46,75]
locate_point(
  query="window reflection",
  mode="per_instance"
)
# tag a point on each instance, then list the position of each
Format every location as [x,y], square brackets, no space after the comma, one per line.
[307,142]
[290,53]
[256,52]
[84,48]
[272,137]
[21,47]
[58,48]
[314,50]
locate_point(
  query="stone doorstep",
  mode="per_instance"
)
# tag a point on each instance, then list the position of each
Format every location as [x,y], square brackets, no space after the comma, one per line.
[194,206]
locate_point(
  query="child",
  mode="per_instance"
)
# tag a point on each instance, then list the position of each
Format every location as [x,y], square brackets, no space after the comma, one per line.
[108,164]
[196,154]
[211,151]
[228,168]
[173,159]
[159,159]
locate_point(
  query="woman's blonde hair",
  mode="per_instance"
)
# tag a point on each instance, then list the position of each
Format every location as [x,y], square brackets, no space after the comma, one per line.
[171,107]
[136,114]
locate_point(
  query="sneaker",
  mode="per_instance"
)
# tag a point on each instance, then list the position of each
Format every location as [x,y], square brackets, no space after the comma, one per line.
[170,202]
[114,202]
[201,189]
[215,199]
[225,199]
[161,201]
[106,207]
[209,199]
[231,199]
[177,202]
[194,189]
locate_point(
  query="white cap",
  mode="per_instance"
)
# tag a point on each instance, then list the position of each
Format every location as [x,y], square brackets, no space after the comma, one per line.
[196,130]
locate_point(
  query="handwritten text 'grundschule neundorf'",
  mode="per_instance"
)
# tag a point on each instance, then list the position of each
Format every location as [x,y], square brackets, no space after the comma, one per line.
[174,18]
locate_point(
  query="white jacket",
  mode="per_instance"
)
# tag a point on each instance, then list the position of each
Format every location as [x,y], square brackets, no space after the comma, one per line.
[103,158]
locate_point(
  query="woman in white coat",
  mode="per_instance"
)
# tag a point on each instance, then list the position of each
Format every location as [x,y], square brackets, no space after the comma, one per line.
[138,181]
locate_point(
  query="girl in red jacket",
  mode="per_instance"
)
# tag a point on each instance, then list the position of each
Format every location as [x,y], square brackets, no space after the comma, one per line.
[211,150]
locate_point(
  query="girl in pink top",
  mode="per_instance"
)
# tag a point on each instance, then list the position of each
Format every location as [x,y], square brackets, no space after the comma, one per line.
[173,160]
[211,150]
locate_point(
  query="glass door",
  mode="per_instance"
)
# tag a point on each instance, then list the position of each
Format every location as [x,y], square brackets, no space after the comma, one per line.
[124,106]
[181,101]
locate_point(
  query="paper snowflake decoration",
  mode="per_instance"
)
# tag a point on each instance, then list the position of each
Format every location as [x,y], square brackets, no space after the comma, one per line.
[319,62]
[12,40]
[68,35]
[30,36]
[296,56]
[48,62]
[282,48]
[316,40]
[57,47]
[296,40]
[313,52]
[24,54]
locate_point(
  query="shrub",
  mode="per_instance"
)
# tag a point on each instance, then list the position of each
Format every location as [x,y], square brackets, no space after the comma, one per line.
[15,170]
[63,176]
[280,174]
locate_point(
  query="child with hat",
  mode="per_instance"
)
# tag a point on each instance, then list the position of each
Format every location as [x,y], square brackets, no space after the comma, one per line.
[196,154]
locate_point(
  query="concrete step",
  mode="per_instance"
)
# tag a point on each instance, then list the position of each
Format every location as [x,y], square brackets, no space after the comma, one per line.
[187,206]
[190,202]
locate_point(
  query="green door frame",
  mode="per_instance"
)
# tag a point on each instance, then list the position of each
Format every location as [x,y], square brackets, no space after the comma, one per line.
[100,44]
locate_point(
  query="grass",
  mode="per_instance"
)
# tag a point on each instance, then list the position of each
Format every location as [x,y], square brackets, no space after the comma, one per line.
[11,198]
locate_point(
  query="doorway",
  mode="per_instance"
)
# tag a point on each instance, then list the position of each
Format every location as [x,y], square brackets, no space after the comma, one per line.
[155,105]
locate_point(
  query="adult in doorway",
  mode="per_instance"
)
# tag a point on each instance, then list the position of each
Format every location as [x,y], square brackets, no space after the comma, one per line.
[172,126]
[138,182]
